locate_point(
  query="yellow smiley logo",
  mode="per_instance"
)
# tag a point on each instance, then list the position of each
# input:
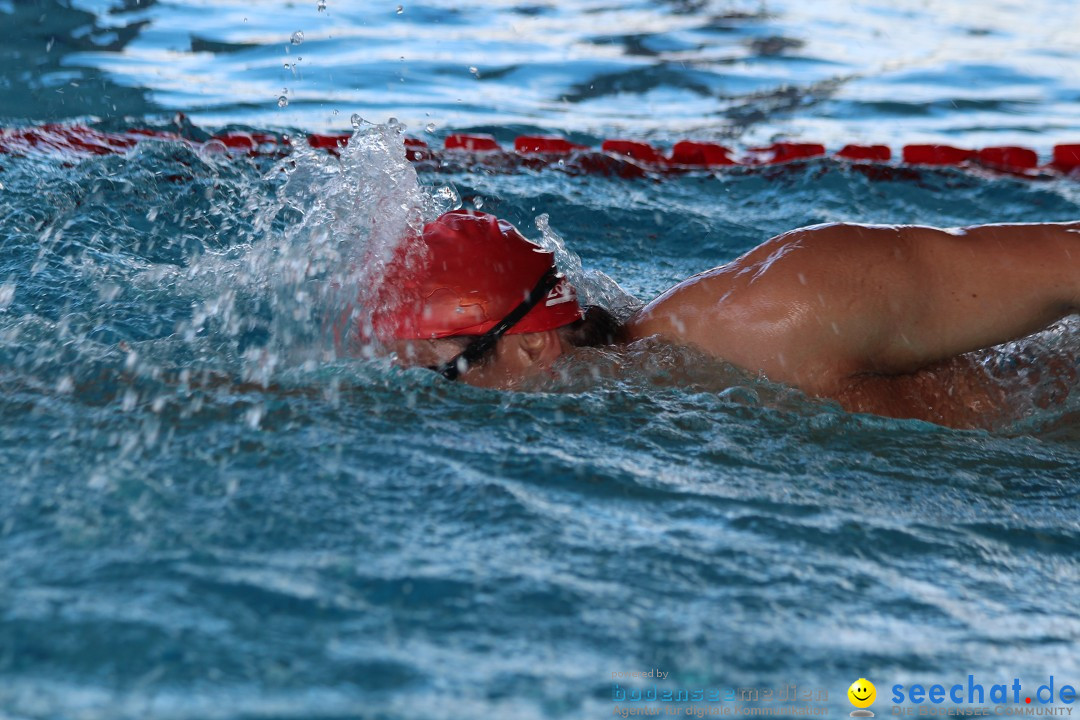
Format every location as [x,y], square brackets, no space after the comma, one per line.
[862,693]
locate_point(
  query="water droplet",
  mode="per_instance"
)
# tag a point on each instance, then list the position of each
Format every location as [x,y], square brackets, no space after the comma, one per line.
[286,66]
[321,5]
[253,417]
[336,111]
[282,101]
[429,128]
[108,292]
[478,202]
[7,294]
[400,9]
[474,70]
[298,37]
[356,120]
[446,198]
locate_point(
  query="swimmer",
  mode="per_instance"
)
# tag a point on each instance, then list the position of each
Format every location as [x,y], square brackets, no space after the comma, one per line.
[879,318]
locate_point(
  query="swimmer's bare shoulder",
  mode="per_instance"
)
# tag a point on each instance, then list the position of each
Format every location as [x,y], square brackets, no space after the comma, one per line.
[818,306]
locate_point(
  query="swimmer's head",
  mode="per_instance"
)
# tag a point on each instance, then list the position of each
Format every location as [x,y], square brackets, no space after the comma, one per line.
[484,303]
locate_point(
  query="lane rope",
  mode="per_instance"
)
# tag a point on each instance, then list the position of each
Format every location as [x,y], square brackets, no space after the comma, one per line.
[621,157]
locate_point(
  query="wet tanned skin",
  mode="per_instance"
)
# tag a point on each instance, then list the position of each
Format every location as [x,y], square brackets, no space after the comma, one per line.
[878,317]
[515,358]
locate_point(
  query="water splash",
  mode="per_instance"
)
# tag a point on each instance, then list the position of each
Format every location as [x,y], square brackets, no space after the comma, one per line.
[1038,375]
[317,250]
[594,287]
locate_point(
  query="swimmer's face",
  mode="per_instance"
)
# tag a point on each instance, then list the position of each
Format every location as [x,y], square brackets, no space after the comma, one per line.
[514,358]
[425,353]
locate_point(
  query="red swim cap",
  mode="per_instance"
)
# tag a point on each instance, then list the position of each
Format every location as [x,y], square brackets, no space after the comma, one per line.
[478,268]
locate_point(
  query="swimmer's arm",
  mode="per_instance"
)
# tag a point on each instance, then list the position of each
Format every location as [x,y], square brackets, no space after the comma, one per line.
[819,306]
[944,293]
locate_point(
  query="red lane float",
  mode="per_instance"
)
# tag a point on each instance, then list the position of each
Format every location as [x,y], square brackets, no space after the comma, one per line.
[1066,158]
[416,150]
[873,153]
[66,139]
[250,141]
[471,143]
[783,152]
[640,151]
[1011,159]
[936,155]
[545,145]
[700,154]
[621,157]
[328,142]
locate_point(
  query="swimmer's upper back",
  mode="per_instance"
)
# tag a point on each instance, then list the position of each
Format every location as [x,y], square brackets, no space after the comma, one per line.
[819,306]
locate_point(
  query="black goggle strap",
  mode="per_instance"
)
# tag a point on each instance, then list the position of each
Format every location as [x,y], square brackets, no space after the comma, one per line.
[482,345]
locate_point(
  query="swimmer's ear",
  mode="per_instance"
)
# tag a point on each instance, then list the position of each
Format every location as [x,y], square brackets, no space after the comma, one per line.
[537,347]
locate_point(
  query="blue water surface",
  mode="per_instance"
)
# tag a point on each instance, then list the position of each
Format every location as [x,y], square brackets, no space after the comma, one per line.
[209,512]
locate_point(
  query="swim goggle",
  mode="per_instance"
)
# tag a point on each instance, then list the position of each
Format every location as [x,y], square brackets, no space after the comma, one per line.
[483,344]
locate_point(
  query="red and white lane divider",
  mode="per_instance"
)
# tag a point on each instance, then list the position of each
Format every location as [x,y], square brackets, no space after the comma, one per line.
[627,158]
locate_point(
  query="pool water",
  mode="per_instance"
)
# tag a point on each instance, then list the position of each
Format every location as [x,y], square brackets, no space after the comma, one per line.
[210,512]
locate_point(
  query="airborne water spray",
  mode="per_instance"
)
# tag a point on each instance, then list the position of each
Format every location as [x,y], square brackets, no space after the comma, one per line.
[315,249]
